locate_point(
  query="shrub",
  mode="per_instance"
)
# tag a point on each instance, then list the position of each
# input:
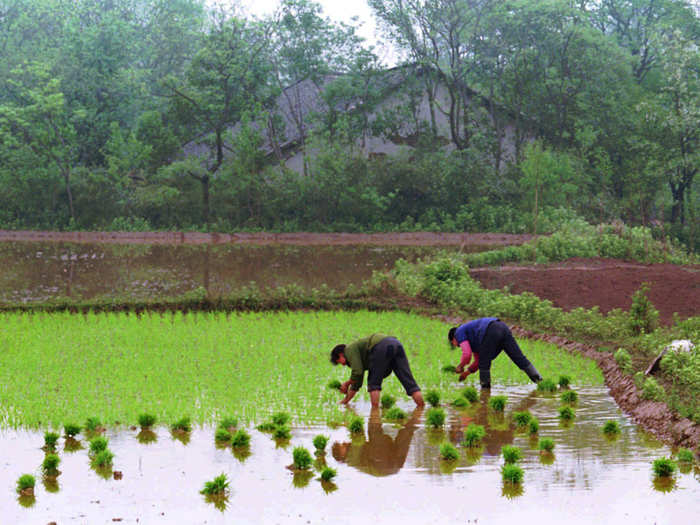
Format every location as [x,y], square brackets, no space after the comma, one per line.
[623,360]
[328,473]
[511,473]
[435,417]
[545,444]
[387,400]
[470,393]
[302,458]
[652,390]
[564,381]
[395,414]
[449,452]
[98,444]
[547,385]
[664,467]
[71,429]
[240,439]
[685,455]
[533,426]
[511,454]
[25,481]
[566,413]
[570,397]
[433,397]
[498,403]
[182,425]
[219,485]
[522,418]
[643,315]
[280,418]
[611,427]
[222,435]
[146,420]
[320,441]
[50,440]
[104,458]
[473,435]
[356,425]
[50,465]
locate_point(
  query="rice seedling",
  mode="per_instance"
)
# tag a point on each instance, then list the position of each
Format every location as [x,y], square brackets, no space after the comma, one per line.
[511,454]
[50,440]
[387,401]
[146,436]
[433,397]
[460,402]
[611,428]
[566,413]
[103,458]
[25,484]
[240,439]
[228,423]
[97,445]
[435,417]
[569,397]
[219,485]
[334,384]
[50,465]
[222,435]
[395,414]
[302,458]
[685,455]
[328,473]
[319,442]
[498,403]
[546,385]
[470,394]
[511,473]
[545,444]
[146,420]
[71,430]
[93,424]
[356,425]
[280,418]
[182,425]
[451,369]
[533,426]
[522,419]
[449,452]
[664,467]
[564,381]
[512,490]
[473,435]
[266,427]
[282,432]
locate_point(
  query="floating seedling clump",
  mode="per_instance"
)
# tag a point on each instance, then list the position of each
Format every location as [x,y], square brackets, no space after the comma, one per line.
[611,428]
[356,425]
[50,465]
[103,458]
[222,435]
[522,419]
[449,452]
[433,397]
[546,445]
[71,430]
[266,427]
[328,473]
[435,417]
[395,414]
[282,432]
[50,440]
[228,423]
[301,458]
[97,445]
[240,439]
[26,484]
[320,441]
[547,385]
[569,397]
[566,413]
[473,435]
[511,473]
[498,403]
[146,420]
[685,455]
[664,467]
[334,384]
[511,454]
[470,394]
[387,401]
[218,486]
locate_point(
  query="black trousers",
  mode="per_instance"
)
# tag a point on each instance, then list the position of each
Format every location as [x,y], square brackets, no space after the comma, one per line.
[498,337]
[388,356]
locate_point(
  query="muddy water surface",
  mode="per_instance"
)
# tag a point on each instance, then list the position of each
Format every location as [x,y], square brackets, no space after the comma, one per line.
[389,474]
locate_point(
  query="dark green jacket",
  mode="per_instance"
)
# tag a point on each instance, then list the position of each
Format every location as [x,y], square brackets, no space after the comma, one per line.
[357,356]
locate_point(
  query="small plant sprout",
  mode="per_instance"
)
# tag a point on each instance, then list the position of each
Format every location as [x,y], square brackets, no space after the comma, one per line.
[182,425]
[25,485]
[93,424]
[146,420]
[240,439]
[280,418]
[71,430]
[228,423]
[103,458]
[356,425]
[570,397]
[216,487]
[97,445]
[328,473]
[533,426]
[387,401]
[282,432]
[50,465]
[685,455]
[564,381]
[547,385]
[546,445]
[566,413]
[449,369]
[222,435]
[664,467]
[320,441]
[334,384]
[433,397]
[473,435]
[522,419]
[449,452]
[470,394]
[50,440]
[511,473]
[611,428]
[395,414]
[511,454]
[498,403]
[435,417]
[460,402]
[302,458]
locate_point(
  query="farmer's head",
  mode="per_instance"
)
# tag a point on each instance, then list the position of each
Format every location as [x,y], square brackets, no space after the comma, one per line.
[451,336]
[338,355]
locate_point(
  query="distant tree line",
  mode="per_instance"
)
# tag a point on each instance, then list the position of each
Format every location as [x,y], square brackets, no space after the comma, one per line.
[118,114]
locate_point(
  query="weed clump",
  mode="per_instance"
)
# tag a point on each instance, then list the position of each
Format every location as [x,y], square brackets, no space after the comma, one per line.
[470,394]
[240,439]
[50,465]
[320,441]
[387,401]
[280,418]
[435,417]
[473,435]
[25,484]
[512,473]
[328,473]
[498,403]
[334,384]
[395,414]
[570,397]
[146,420]
[545,445]
[97,445]
[71,430]
[302,458]
[449,452]
[566,413]
[511,454]
[547,385]
[356,425]
[182,425]
[522,419]
[219,485]
[664,467]
[50,440]
[564,381]
[611,428]
[433,397]
[685,455]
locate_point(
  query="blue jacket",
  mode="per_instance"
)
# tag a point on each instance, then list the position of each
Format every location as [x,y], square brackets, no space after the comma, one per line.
[474,331]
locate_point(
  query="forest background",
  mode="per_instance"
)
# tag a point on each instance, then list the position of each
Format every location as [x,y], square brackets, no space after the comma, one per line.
[99,101]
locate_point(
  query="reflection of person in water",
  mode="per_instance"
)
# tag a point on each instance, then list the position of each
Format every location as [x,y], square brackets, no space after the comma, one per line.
[380,454]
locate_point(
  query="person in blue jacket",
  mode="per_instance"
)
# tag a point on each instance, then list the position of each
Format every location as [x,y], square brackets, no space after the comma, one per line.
[483,339]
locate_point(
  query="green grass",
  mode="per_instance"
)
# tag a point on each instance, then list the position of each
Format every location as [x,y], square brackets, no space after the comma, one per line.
[182,425]
[547,385]
[50,440]
[522,419]
[566,413]
[222,435]
[460,402]
[564,381]
[71,430]
[93,424]
[218,357]
[533,426]
[103,458]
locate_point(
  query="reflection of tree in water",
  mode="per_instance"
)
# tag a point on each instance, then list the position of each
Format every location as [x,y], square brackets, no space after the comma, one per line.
[379,454]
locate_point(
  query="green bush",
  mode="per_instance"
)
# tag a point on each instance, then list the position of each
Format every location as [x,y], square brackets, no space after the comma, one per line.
[281,432]
[280,418]
[570,397]
[564,381]
[222,435]
[685,455]
[460,402]
[623,360]
[652,390]
[182,425]
[93,424]
[356,425]
[50,440]
[547,385]
[643,316]
[566,413]
[533,426]
[103,458]
[71,429]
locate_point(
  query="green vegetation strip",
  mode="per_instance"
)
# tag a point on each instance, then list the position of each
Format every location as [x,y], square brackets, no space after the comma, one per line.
[59,367]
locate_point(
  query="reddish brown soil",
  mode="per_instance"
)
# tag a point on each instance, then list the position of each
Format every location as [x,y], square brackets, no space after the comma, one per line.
[606,283]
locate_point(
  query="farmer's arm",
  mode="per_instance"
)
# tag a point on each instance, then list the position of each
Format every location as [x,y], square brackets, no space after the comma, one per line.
[352,385]
[466,355]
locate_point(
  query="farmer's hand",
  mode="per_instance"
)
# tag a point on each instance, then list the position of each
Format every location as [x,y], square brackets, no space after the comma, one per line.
[344,387]
[464,375]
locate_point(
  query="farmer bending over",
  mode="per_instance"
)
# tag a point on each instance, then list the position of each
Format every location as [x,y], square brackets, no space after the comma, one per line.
[381,355]
[484,339]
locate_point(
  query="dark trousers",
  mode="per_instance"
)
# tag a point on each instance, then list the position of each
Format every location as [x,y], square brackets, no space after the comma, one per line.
[388,356]
[498,337]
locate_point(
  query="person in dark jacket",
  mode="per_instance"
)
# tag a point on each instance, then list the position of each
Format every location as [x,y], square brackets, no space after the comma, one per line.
[483,339]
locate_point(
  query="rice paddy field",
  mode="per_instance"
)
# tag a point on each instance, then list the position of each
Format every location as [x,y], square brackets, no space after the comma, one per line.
[59,369]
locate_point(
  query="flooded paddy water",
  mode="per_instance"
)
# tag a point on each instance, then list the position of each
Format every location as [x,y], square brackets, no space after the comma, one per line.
[390,473]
